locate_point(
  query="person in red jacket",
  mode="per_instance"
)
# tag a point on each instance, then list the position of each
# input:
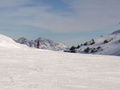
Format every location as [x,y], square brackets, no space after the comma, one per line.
[38,44]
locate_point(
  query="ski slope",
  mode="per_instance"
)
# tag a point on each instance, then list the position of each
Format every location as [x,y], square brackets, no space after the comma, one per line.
[32,69]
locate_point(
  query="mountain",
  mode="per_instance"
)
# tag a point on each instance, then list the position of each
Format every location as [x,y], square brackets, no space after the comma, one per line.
[44,43]
[116,32]
[106,45]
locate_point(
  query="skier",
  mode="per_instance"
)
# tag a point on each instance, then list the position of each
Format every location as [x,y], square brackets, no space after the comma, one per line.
[38,44]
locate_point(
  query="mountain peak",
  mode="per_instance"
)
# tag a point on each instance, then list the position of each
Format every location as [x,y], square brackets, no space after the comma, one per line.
[116,32]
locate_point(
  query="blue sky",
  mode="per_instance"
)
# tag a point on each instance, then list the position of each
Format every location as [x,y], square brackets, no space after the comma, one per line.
[67,21]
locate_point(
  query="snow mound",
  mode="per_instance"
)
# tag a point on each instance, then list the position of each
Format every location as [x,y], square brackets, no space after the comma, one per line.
[7,42]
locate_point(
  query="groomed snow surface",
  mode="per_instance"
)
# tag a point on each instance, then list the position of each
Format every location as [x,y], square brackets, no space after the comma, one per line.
[31,69]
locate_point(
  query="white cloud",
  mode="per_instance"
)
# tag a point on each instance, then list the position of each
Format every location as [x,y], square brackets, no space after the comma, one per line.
[87,15]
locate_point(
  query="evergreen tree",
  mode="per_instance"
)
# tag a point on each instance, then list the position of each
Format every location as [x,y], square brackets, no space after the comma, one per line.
[92,42]
[87,50]
[105,41]
[78,47]
[85,43]
[72,49]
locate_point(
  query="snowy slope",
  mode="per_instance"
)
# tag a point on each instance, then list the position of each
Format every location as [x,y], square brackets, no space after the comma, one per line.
[109,45]
[112,47]
[7,42]
[44,43]
[36,69]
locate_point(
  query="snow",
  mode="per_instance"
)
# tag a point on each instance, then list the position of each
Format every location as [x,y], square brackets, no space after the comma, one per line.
[113,47]
[35,69]
[7,42]
[110,48]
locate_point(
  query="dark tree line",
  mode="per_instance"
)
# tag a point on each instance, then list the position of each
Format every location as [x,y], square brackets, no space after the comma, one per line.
[86,50]
[92,50]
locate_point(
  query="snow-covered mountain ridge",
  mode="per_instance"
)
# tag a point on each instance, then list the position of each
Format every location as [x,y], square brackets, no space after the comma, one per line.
[44,43]
[106,45]
[116,32]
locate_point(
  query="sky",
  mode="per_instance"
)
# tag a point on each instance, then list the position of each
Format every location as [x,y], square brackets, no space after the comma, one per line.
[69,21]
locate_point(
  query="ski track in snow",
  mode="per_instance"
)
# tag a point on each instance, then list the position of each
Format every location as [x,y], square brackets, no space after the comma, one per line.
[32,69]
